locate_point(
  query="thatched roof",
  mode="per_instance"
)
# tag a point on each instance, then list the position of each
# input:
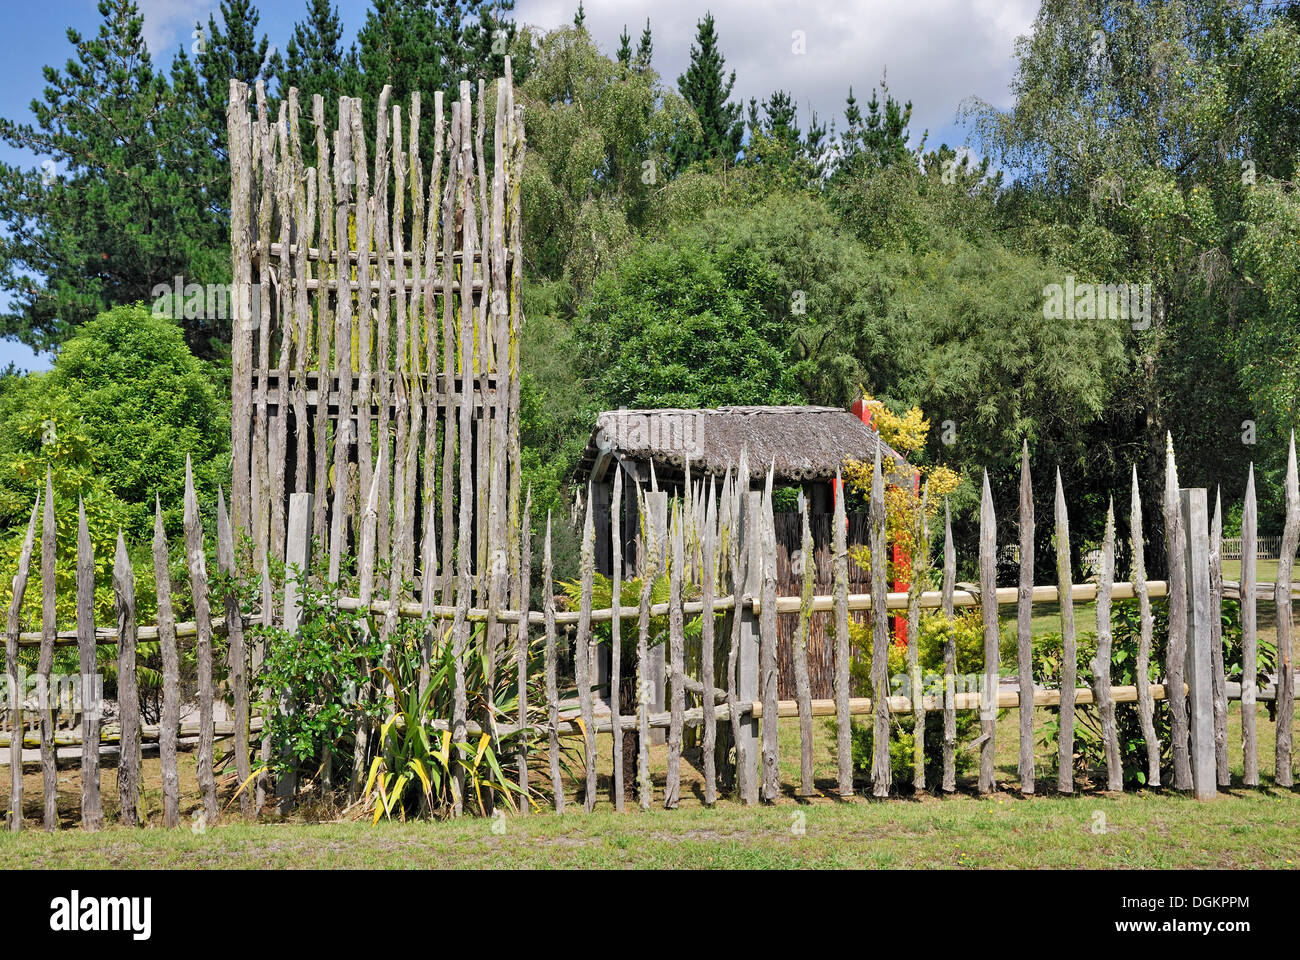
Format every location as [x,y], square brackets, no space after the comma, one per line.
[806,443]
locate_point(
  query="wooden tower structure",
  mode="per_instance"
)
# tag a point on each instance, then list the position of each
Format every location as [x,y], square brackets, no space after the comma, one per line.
[375,355]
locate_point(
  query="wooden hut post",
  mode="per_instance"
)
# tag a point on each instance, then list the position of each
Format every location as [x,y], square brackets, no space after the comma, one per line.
[203,645]
[880,771]
[1070,651]
[1176,651]
[297,559]
[616,635]
[49,624]
[237,657]
[803,689]
[1101,664]
[840,563]
[949,657]
[767,654]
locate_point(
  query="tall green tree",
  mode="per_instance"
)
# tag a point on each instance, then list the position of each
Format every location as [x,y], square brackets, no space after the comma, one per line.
[121,197]
[707,88]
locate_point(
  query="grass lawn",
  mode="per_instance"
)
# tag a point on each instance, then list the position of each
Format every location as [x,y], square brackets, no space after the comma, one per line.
[1244,828]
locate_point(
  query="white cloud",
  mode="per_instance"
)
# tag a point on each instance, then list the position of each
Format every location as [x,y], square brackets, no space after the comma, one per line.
[937,52]
[168,23]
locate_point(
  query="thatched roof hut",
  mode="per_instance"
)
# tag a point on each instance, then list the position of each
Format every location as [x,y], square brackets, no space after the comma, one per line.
[806,444]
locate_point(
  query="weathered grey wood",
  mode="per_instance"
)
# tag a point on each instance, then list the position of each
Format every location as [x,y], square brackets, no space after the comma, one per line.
[649,553]
[916,584]
[522,591]
[616,633]
[328,272]
[708,581]
[460,626]
[767,651]
[1282,764]
[171,709]
[1249,634]
[1070,652]
[840,564]
[949,657]
[344,429]
[676,650]
[449,365]
[197,564]
[803,689]
[582,652]
[550,654]
[92,808]
[241,349]
[744,637]
[265,175]
[297,559]
[1176,650]
[880,772]
[278,426]
[13,626]
[1146,707]
[237,655]
[128,689]
[1025,625]
[1101,681]
[1218,680]
[49,627]
[989,603]
[1195,524]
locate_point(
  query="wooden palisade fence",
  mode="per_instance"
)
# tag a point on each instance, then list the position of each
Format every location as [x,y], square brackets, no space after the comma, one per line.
[376,412]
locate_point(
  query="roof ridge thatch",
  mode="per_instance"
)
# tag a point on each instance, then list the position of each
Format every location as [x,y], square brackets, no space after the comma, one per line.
[806,443]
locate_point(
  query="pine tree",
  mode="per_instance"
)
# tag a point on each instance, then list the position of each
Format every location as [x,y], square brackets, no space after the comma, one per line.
[878,139]
[125,198]
[703,86]
[625,47]
[645,48]
[580,18]
[316,63]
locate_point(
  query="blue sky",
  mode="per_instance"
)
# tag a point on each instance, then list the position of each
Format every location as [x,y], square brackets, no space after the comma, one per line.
[936,52]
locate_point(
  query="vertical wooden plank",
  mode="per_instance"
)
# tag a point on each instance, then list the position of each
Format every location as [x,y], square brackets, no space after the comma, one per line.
[676,646]
[304,195]
[261,492]
[278,425]
[49,624]
[840,563]
[203,645]
[1146,706]
[241,349]
[128,690]
[344,428]
[1286,624]
[297,560]
[169,728]
[1025,625]
[949,658]
[366,587]
[920,563]
[767,649]
[582,666]
[236,654]
[1069,652]
[1101,664]
[989,603]
[521,648]
[383,337]
[744,637]
[1195,522]
[13,628]
[460,626]
[550,654]
[649,552]
[366,362]
[880,773]
[708,586]
[1218,682]
[1249,634]
[92,809]
[803,689]
[1176,650]
[327,270]
[615,634]
[449,366]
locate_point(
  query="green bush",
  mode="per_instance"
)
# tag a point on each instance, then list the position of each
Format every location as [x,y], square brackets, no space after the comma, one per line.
[967,631]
